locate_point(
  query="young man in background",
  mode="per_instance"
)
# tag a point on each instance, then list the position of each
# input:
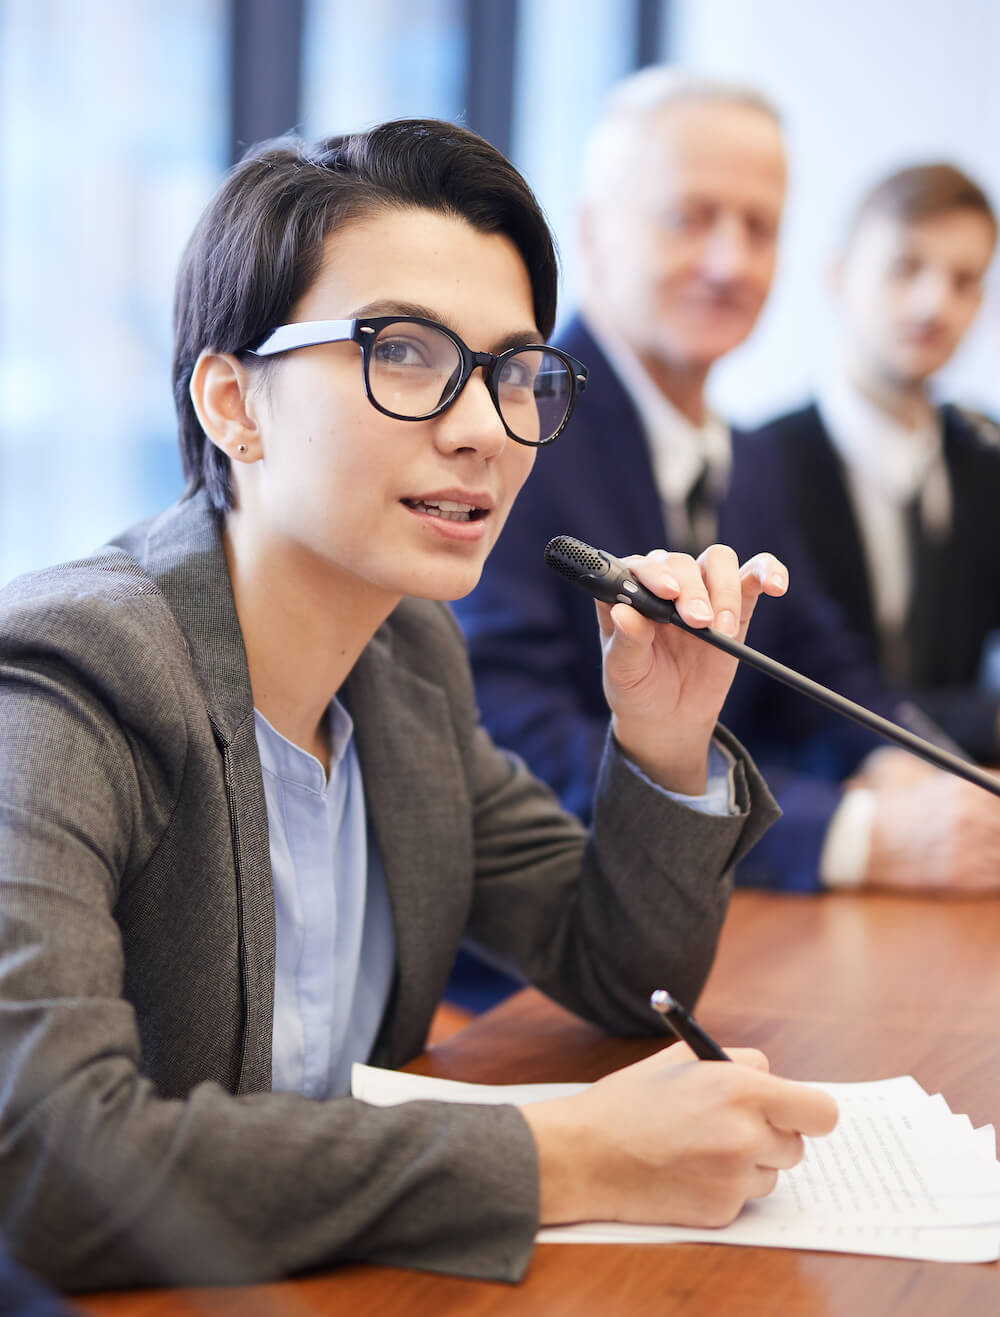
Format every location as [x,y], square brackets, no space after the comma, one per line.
[879,475]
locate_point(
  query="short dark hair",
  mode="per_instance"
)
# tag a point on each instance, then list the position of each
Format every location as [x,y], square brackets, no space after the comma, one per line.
[259,244]
[921,192]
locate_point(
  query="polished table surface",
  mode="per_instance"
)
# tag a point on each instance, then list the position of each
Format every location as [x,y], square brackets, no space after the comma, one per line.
[834,987]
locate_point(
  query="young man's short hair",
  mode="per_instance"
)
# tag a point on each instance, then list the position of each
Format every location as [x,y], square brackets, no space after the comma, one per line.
[921,192]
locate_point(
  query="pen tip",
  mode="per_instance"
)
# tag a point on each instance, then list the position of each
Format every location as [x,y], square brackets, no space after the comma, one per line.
[661,1000]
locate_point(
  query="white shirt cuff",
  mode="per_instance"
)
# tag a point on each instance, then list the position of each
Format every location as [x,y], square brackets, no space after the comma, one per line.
[843,861]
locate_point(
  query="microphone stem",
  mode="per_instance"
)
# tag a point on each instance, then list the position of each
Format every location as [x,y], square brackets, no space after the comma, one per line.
[840,704]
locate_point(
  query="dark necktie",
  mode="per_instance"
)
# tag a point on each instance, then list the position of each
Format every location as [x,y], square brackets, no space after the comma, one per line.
[932,605]
[701,507]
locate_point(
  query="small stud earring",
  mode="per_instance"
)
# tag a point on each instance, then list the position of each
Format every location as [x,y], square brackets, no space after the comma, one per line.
[241,448]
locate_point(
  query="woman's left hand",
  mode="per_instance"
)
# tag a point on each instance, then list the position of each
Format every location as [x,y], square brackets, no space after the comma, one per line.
[665,688]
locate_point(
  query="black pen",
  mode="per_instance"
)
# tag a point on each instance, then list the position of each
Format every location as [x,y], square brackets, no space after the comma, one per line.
[686,1027]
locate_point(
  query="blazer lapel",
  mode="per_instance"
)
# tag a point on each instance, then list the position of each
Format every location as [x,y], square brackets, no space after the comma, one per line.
[182,552]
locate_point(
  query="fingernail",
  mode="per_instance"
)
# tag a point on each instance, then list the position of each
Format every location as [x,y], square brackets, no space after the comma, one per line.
[700,609]
[777,579]
[670,583]
[726,622]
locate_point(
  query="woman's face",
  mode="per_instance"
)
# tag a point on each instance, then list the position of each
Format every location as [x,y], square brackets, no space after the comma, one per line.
[345,489]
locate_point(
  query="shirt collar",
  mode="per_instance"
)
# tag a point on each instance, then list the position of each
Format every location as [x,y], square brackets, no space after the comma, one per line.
[894,456]
[289,762]
[680,450]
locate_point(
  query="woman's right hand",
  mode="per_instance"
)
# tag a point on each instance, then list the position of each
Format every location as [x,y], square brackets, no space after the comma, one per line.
[673,1140]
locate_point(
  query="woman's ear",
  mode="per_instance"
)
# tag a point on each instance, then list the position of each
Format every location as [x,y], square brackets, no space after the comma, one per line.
[220,394]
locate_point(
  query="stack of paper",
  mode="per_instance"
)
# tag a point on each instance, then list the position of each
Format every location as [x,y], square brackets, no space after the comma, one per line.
[901,1175]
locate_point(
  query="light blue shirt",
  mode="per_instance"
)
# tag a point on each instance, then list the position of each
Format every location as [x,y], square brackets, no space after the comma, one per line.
[335,945]
[720,789]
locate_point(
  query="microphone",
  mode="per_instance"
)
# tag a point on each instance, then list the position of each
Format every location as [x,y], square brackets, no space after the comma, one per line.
[607,578]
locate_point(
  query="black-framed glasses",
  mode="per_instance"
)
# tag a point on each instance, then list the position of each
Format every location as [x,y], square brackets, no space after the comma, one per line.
[415,369]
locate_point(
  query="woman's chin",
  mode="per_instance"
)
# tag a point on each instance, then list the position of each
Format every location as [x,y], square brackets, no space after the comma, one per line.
[446,584]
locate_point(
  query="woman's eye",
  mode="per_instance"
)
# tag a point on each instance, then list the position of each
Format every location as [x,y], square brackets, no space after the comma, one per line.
[397,352]
[516,375]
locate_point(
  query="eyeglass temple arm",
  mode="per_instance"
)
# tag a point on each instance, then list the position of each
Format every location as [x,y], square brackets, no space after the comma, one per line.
[304,334]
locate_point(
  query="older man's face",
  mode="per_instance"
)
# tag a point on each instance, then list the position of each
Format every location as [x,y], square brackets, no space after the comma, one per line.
[680,255]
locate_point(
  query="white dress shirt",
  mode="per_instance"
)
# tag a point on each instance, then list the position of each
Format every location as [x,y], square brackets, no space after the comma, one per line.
[888,465]
[680,451]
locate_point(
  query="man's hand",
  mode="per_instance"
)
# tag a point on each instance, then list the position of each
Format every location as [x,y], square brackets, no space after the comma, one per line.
[932,832]
[889,769]
[673,1141]
[665,688]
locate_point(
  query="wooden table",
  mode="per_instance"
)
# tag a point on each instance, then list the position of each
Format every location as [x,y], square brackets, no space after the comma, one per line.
[834,987]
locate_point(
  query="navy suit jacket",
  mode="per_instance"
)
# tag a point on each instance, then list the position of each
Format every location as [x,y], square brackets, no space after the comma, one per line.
[534,644]
[956,596]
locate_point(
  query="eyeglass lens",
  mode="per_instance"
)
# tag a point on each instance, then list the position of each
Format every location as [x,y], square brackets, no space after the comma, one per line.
[414,369]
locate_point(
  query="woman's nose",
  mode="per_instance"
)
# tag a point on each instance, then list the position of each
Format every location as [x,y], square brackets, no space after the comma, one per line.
[473,421]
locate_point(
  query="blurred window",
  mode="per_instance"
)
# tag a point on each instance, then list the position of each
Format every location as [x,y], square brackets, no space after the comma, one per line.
[569,53]
[113,134]
[362,63]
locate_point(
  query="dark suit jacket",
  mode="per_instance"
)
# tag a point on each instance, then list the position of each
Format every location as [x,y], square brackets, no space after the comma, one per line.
[139,1141]
[533,637]
[956,597]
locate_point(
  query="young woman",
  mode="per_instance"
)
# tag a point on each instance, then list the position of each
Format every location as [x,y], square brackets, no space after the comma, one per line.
[246,812]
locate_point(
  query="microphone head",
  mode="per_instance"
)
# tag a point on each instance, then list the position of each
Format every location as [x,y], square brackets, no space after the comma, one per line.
[572,558]
[598,573]
[604,577]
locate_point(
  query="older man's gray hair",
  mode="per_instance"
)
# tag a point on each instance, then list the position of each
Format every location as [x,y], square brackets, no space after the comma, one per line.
[642,95]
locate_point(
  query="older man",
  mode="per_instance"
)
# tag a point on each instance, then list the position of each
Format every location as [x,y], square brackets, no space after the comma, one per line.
[683,187]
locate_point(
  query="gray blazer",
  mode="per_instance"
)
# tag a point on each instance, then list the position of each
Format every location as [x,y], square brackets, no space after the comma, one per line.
[139,1141]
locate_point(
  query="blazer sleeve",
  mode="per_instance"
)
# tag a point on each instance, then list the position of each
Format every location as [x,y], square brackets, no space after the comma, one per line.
[640,907]
[598,919]
[106,1183]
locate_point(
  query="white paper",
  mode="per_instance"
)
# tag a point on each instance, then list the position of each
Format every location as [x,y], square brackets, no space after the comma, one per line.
[900,1176]
[386,1088]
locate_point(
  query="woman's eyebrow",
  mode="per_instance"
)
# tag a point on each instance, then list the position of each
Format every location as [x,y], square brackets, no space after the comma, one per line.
[518,338]
[388,307]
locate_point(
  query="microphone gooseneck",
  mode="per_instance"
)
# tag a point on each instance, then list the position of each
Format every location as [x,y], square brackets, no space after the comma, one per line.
[607,578]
